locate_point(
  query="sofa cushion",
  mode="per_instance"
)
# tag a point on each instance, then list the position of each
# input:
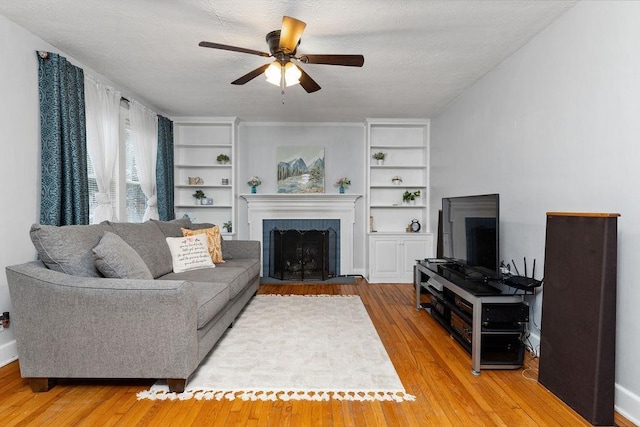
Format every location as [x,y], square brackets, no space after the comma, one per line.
[149,242]
[189,253]
[213,240]
[211,299]
[174,227]
[116,259]
[69,248]
[251,265]
[236,278]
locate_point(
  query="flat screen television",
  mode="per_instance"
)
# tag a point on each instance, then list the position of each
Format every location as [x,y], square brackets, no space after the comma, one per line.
[471,234]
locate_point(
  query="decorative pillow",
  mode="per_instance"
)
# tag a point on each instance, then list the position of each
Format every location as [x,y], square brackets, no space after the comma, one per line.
[68,249]
[117,260]
[213,239]
[189,253]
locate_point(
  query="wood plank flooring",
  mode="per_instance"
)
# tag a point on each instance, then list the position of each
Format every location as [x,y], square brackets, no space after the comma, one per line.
[431,365]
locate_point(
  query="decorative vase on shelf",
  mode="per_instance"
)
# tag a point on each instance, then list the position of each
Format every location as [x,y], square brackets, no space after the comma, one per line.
[341,190]
[253,190]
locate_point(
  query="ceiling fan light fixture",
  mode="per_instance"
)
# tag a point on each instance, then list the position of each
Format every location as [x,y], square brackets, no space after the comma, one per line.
[292,74]
[276,71]
[273,73]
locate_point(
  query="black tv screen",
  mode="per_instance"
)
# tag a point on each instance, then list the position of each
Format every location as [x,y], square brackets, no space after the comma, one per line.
[470,233]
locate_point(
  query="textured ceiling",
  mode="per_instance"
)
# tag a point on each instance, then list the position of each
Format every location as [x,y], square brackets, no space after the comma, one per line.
[419,55]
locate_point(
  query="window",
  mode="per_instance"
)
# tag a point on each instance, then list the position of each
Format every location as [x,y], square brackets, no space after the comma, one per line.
[127,198]
[136,201]
[93,189]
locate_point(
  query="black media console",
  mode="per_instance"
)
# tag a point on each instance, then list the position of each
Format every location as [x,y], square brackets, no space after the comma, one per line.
[483,316]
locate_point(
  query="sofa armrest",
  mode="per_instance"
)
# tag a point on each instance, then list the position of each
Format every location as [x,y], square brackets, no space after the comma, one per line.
[69,326]
[241,249]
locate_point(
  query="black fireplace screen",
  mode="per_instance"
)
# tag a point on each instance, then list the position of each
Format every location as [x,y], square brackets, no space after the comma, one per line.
[303,254]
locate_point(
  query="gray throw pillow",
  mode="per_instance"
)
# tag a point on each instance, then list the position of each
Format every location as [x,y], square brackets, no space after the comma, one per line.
[115,259]
[67,249]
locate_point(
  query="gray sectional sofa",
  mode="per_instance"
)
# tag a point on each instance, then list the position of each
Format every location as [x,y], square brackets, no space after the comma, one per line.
[72,322]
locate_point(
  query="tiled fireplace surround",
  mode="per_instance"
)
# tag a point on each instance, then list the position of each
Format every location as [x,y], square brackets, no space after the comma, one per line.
[275,208]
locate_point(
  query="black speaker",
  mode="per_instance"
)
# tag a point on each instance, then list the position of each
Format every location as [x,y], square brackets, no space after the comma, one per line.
[577,342]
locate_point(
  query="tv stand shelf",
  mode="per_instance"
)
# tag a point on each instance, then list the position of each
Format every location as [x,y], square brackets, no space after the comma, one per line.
[477,314]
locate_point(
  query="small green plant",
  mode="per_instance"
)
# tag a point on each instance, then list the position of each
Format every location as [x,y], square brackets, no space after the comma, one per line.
[408,195]
[227,226]
[199,194]
[222,158]
[379,155]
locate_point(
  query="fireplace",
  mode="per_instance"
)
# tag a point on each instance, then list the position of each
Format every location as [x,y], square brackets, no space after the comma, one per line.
[301,255]
[265,211]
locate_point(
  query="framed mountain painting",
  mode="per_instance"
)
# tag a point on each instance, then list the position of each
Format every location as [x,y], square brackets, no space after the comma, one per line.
[300,169]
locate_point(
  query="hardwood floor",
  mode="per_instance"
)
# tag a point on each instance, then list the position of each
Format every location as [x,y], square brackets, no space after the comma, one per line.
[430,364]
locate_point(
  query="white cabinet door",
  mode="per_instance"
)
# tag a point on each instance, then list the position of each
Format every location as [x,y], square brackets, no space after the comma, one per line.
[385,259]
[412,250]
[392,257]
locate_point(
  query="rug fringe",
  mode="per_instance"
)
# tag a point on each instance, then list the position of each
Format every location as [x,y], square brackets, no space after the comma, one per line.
[308,296]
[251,395]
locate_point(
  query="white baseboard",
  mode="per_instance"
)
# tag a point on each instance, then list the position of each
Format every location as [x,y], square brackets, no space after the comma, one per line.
[8,353]
[627,404]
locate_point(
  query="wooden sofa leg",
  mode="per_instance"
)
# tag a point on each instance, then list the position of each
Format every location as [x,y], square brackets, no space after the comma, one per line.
[176,385]
[40,385]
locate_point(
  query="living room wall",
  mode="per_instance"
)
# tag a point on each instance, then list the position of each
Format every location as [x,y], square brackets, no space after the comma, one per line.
[20,159]
[555,128]
[344,145]
[19,166]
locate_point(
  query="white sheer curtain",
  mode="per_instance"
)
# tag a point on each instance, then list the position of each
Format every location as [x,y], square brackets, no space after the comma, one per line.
[144,138]
[102,109]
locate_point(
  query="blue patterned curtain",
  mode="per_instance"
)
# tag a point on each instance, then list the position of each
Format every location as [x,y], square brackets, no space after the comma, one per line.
[65,188]
[164,169]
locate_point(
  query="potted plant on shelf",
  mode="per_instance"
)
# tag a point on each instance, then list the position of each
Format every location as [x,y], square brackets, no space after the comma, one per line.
[253,182]
[222,158]
[199,195]
[379,156]
[410,197]
[227,226]
[342,183]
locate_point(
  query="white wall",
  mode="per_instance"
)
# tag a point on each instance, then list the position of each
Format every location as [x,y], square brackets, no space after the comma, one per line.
[19,162]
[20,157]
[344,145]
[556,127]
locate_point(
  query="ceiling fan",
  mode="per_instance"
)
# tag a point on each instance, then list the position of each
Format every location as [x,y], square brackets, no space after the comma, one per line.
[283,45]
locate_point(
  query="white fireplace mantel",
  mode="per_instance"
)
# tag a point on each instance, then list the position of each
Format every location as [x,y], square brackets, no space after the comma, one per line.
[306,206]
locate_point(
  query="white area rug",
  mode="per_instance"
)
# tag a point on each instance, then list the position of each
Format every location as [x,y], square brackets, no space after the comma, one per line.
[295,348]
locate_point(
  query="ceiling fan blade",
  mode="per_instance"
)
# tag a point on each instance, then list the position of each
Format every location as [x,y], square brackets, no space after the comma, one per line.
[233,48]
[250,76]
[290,34]
[308,83]
[347,60]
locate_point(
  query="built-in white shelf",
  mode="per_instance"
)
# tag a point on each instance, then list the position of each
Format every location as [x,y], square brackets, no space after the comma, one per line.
[392,250]
[198,143]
